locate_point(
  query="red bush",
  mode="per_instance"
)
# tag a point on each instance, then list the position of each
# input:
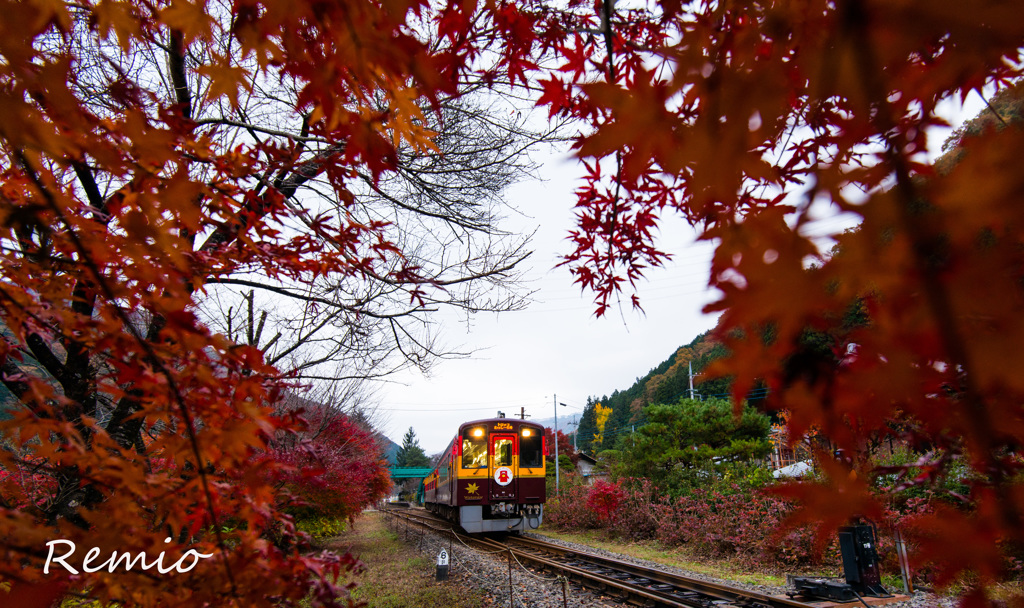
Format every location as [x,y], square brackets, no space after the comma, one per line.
[742,524]
[640,512]
[604,499]
[738,525]
[335,473]
[570,511]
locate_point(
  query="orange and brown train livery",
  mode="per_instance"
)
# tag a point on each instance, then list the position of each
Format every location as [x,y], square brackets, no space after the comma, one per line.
[491,477]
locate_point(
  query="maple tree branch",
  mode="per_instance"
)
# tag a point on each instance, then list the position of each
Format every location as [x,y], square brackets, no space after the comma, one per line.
[607,12]
[286,187]
[356,308]
[176,66]
[72,373]
[299,137]
[146,348]
[44,355]
[372,184]
[249,329]
[14,379]
[92,189]
[977,415]
[361,376]
[302,338]
[306,171]
[309,363]
[413,357]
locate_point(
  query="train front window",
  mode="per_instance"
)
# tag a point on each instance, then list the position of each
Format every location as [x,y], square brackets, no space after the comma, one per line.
[474,449]
[503,452]
[530,451]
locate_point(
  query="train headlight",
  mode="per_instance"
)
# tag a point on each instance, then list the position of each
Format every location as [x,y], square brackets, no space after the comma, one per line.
[478,432]
[527,432]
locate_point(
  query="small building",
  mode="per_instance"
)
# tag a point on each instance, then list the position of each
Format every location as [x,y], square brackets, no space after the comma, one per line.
[783,455]
[585,467]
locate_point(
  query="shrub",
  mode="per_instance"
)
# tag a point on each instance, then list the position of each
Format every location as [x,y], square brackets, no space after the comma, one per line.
[604,499]
[569,511]
[335,474]
[320,527]
[728,517]
[732,521]
[639,511]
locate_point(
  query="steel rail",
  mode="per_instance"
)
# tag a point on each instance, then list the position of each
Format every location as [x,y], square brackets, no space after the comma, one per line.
[707,588]
[601,580]
[632,582]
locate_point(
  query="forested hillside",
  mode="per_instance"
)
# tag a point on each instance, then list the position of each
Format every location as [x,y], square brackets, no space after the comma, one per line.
[666,383]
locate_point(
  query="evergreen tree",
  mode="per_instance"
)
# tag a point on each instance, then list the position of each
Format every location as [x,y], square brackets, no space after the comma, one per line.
[693,441]
[411,454]
[588,427]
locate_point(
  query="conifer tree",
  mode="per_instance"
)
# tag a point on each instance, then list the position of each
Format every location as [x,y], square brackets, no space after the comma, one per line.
[411,454]
[588,428]
[682,442]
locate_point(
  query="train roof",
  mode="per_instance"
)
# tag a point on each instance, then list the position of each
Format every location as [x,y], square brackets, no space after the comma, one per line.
[515,421]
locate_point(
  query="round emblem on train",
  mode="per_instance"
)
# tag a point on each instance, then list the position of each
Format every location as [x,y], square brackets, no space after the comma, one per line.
[503,476]
[491,478]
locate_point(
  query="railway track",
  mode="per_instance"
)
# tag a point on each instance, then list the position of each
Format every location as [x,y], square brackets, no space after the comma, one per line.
[628,582]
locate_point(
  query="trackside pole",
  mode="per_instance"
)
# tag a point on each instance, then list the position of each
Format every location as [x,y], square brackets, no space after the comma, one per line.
[901,554]
[442,565]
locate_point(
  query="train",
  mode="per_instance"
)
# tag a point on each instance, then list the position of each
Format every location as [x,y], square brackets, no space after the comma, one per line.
[491,477]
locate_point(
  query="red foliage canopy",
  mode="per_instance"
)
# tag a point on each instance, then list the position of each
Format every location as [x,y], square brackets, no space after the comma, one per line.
[149,151]
[334,472]
[122,201]
[564,444]
[751,118]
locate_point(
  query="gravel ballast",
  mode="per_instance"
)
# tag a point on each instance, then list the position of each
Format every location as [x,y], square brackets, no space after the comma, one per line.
[919,599]
[489,572]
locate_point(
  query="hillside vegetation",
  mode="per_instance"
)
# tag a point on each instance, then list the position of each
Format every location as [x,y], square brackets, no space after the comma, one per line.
[666,383]
[692,476]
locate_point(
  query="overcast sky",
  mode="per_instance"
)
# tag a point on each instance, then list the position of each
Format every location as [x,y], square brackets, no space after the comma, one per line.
[557,346]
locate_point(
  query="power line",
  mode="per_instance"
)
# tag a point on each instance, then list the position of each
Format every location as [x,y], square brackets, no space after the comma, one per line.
[471,403]
[461,409]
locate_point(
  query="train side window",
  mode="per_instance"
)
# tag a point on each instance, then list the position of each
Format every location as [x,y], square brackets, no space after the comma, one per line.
[474,451]
[503,452]
[530,451]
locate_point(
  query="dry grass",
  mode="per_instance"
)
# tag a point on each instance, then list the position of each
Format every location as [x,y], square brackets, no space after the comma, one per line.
[1008,592]
[395,577]
[675,557]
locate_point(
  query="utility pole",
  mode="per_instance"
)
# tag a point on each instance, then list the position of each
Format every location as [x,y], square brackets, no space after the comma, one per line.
[574,433]
[690,367]
[555,398]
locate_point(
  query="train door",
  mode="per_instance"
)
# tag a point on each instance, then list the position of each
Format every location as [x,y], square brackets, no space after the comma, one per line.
[452,469]
[504,482]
